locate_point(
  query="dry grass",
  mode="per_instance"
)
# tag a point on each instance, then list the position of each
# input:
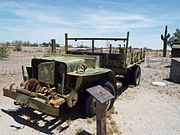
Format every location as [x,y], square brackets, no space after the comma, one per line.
[112,128]
[129,94]
[68,121]
[90,121]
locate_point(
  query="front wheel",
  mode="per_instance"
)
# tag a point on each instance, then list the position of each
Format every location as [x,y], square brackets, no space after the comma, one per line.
[91,101]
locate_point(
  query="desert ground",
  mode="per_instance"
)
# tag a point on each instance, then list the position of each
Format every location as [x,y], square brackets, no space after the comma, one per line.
[143,110]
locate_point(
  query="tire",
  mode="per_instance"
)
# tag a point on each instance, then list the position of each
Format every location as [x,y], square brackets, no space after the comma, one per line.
[90,106]
[136,78]
[91,101]
[126,80]
[109,87]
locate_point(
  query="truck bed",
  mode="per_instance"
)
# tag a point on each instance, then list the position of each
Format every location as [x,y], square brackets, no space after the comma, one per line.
[119,62]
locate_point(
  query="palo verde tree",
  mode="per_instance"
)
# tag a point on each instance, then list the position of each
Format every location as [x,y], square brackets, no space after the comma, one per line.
[175,38]
[177,35]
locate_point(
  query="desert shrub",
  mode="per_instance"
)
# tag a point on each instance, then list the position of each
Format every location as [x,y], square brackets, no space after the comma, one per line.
[46,44]
[18,45]
[18,48]
[82,46]
[4,53]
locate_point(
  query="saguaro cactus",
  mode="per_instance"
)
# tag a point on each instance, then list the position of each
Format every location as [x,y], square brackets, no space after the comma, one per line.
[165,39]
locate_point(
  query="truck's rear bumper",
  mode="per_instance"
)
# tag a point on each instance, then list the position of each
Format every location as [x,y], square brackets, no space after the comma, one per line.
[32,102]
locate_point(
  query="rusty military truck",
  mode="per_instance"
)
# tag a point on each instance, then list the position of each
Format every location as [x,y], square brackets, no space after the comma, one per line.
[55,80]
[62,79]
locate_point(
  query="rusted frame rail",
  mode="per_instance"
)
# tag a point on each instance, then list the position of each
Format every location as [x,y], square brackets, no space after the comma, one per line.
[126,40]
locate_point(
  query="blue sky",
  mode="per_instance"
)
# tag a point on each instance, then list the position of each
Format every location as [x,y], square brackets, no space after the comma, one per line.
[41,20]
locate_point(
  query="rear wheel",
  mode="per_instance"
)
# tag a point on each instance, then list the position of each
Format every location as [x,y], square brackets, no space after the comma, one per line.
[91,101]
[136,77]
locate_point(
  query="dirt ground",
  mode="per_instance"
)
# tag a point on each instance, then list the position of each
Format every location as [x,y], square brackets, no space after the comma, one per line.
[143,110]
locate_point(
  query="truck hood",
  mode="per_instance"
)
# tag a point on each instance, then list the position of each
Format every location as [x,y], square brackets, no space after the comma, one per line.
[73,61]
